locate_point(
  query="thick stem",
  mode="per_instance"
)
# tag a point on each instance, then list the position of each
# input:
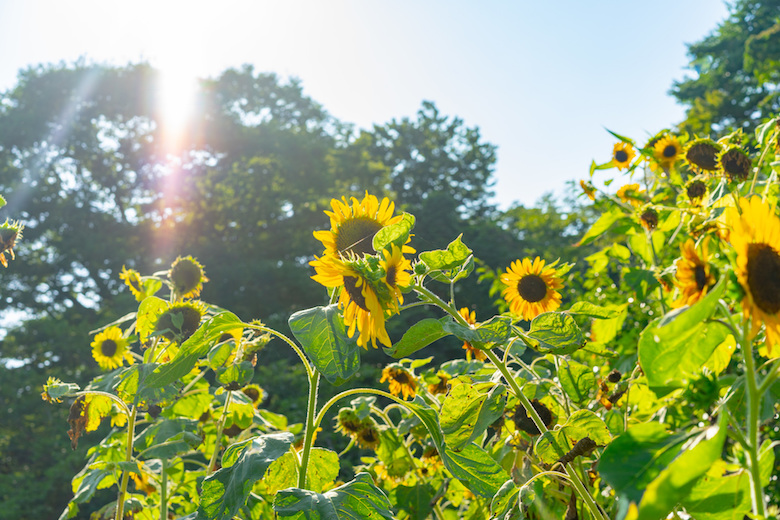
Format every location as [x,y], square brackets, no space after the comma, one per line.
[309,369]
[753,420]
[220,428]
[164,491]
[120,501]
[308,436]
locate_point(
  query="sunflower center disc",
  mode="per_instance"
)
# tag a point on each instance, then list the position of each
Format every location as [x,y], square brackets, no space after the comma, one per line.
[108,347]
[700,276]
[763,277]
[670,151]
[356,235]
[532,288]
[390,275]
[621,156]
[355,294]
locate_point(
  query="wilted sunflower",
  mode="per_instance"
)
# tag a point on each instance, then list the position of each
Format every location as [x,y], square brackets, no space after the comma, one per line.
[588,189]
[694,274]
[10,232]
[368,435]
[667,150]
[471,352]
[696,189]
[397,271]
[352,228]
[755,235]
[442,385]
[347,422]
[649,219]
[187,277]
[109,349]
[358,300]
[531,288]
[735,163]
[703,154]
[622,154]
[179,321]
[400,379]
[631,194]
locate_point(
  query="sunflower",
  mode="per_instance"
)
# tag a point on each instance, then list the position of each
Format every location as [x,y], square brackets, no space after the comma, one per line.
[255,393]
[109,349]
[397,271]
[703,154]
[352,228]
[358,300]
[631,194]
[368,435]
[10,232]
[695,190]
[694,274]
[400,379]
[471,352]
[667,150]
[442,385]
[622,154]
[187,277]
[588,189]
[347,422]
[132,279]
[531,288]
[755,235]
[649,219]
[179,321]
[735,163]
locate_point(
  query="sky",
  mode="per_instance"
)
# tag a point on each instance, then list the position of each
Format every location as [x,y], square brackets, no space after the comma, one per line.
[541,80]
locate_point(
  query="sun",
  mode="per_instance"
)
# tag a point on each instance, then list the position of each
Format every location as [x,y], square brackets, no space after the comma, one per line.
[176,89]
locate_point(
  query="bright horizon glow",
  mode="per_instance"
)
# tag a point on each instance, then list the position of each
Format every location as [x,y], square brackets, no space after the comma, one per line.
[176,97]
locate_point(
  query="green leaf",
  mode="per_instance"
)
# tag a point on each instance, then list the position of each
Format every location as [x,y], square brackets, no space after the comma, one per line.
[2,201]
[674,348]
[577,380]
[419,336]
[599,227]
[240,374]
[582,423]
[454,256]
[397,233]
[556,333]
[594,311]
[414,500]
[642,281]
[604,331]
[504,499]
[428,416]
[498,329]
[323,469]
[322,333]
[148,311]
[604,166]
[281,474]
[225,491]
[677,480]
[476,469]
[468,410]
[356,499]
[196,347]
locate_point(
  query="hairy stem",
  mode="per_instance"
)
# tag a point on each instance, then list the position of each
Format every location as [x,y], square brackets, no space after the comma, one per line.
[753,420]
[120,501]
[220,428]
[311,427]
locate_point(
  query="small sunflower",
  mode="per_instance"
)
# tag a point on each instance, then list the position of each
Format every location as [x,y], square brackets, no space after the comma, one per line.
[10,232]
[649,219]
[132,279]
[368,435]
[735,163]
[179,321]
[352,227]
[471,352]
[255,393]
[703,154]
[695,190]
[588,189]
[109,349]
[400,379]
[755,235]
[531,288]
[622,154]
[397,271]
[347,422]
[694,274]
[667,150]
[187,277]
[358,300]
[442,385]
[631,194]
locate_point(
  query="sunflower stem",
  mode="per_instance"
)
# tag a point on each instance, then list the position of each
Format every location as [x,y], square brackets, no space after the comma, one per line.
[163,491]
[753,420]
[574,478]
[120,501]
[301,355]
[761,160]
[311,427]
[220,429]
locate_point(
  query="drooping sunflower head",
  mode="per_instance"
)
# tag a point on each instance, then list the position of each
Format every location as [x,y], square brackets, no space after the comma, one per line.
[622,154]
[10,232]
[368,435]
[755,235]
[179,321]
[397,271]
[347,422]
[109,348]
[531,288]
[667,150]
[649,219]
[255,393]
[441,383]
[354,223]
[187,277]
[695,276]
[471,352]
[735,163]
[401,380]
[631,194]
[703,154]
[588,189]
[695,190]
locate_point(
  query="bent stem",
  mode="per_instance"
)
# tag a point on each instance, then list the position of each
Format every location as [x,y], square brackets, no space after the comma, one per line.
[120,501]
[311,427]
[753,419]
[574,478]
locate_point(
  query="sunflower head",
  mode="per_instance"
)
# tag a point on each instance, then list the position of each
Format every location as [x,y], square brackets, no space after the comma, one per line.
[524,422]
[667,150]
[695,190]
[703,154]
[631,194]
[441,385]
[622,154]
[253,392]
[10,232]
[348,422]
[735,163]
[179,321]
[109,349]
[695,276]
[588,189]
[397,272]
[471,352]
[187,277]
[531,288]
[649,219]
[401,380]
[368,435]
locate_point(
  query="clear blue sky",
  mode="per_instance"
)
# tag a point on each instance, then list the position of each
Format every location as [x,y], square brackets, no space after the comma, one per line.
[540,79]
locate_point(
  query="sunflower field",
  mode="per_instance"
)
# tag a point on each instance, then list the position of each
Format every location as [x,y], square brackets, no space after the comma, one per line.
[641,385]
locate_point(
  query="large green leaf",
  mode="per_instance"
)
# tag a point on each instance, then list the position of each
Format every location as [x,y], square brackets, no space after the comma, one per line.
[397,233]
[453,257]
[419,336]
[603,223]
[356,500]
[428,417]
[414,500]
[583,423]
[476,469]
[577,380]
[674,348]
[468,410]
[225,491]
[594,311]
[556,333]
[283,472]
[322,333]
[496,330]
